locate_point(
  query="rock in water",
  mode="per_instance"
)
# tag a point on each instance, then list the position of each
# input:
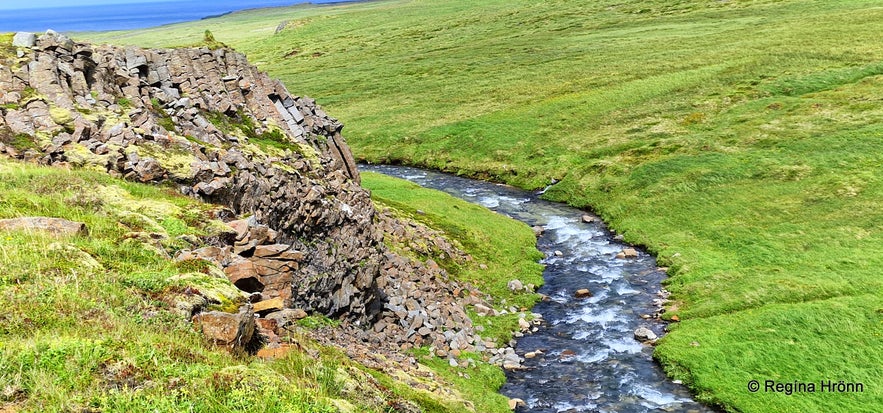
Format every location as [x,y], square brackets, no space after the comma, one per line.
[644,334]
[628,253]
[582,293]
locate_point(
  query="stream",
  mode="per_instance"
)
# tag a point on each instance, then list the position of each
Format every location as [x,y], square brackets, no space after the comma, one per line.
[590,361]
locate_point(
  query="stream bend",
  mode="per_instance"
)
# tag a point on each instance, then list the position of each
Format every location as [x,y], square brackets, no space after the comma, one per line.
[589,360]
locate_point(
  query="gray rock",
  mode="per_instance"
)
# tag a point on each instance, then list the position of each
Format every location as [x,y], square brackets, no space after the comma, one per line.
[644,334]
[24,39]
[287,317]
[53,226]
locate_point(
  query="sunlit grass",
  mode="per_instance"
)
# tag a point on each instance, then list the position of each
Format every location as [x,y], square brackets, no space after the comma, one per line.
[740,141]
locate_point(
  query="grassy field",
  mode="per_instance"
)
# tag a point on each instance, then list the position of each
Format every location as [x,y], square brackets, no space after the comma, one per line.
[89,322]
[739,141]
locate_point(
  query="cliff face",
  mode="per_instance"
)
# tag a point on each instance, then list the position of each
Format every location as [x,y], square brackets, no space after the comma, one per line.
[221,130]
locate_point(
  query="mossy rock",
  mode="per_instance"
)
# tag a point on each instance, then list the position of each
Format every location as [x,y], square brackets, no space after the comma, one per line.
[79,155]
[221,294]
[60,116]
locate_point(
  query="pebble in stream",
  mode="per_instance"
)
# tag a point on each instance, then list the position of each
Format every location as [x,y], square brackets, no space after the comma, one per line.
[588,358]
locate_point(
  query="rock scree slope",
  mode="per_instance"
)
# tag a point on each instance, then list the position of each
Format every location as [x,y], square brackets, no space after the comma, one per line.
[217,128]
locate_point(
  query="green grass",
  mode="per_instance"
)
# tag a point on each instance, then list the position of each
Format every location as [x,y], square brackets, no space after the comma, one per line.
[739,141]
[87,325]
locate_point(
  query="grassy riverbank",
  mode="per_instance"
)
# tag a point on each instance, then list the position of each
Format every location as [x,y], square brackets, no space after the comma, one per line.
[739,141]
[502,250]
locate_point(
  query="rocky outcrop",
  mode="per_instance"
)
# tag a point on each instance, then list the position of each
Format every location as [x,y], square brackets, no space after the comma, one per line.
[308,238]
[220,129]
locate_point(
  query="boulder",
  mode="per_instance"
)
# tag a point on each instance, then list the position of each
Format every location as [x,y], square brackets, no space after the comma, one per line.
[515,285]
[270,250]
[52,226]
[244,275]
[582,293]
[483,310]
[24,39]
[286,317]
[627,253]
[274,304]
[225,329]
[644,334]
[274,353]
[523,324]
[588,219]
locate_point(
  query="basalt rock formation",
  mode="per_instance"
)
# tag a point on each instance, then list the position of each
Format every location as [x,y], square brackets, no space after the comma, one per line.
[305,233]
[222,130]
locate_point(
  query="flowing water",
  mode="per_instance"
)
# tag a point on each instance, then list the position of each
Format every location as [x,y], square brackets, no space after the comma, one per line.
[591,361]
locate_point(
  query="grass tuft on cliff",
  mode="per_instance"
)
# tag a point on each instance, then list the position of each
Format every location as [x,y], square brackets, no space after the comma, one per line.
[740,141]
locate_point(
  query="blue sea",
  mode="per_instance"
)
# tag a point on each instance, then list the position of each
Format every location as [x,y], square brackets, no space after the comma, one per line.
[128,16]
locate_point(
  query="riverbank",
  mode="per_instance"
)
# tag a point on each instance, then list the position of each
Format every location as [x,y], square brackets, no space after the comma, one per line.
[599,293]
[501,250]
[750,170]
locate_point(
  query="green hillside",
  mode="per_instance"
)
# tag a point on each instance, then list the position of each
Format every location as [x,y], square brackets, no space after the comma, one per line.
[740,141]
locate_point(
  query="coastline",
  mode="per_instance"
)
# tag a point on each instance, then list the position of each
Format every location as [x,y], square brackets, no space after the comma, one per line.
[134,16]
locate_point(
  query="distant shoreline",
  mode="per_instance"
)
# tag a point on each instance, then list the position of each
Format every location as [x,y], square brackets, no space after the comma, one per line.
[134,16]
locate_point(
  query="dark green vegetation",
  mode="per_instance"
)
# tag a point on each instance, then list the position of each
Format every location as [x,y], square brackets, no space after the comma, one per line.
[88,323]
[739,141]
